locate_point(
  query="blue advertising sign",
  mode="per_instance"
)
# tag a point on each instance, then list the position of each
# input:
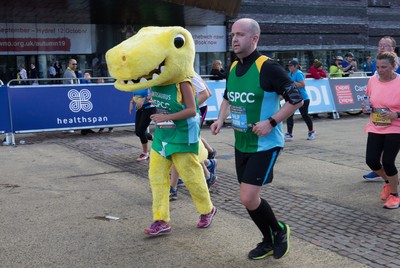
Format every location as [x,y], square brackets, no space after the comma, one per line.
[61,107]
[5,124]
[320,95]
[319,92]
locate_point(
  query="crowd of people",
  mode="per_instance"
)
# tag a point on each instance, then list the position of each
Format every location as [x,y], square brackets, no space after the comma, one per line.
[56,73]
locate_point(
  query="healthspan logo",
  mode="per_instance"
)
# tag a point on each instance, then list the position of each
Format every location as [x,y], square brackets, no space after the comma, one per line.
[80,101]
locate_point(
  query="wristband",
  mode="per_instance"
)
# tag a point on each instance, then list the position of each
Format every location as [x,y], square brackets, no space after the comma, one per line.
[272,122]
[398,114]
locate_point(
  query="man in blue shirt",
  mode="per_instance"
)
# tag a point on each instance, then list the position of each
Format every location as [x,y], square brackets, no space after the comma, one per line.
[348,65]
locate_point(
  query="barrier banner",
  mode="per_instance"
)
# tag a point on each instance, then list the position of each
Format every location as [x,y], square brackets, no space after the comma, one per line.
[5,124]
[217,89]
[348,92]
[38,108]
[64,107]
[319,92]
[321,99]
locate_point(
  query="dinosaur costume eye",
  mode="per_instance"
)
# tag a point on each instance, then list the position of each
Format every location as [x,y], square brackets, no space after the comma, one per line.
[179,41]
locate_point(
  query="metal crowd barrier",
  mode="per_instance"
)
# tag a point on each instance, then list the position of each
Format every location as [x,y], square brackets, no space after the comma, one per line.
[351,74]
[61,107]
[50,81]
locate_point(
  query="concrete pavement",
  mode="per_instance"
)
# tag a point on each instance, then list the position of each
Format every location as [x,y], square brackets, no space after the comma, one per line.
[56,190]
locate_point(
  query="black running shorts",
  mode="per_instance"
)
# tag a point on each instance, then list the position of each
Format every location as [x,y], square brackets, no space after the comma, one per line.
[256,168]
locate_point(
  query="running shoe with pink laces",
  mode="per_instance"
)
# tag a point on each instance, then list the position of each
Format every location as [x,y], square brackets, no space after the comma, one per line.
[206,219]
[392,202]
[143,156]
[158,228]
[385,191]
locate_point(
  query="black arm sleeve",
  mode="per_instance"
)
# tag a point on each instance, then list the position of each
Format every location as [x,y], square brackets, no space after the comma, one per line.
[273,78]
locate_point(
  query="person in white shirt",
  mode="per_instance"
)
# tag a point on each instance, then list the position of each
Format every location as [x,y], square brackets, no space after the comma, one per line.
[23,74]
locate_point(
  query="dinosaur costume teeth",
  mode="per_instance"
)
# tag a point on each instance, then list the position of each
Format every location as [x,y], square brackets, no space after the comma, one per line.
[151,75]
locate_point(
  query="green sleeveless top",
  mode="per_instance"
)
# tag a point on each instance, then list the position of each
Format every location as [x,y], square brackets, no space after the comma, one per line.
[178,136]
[251,104]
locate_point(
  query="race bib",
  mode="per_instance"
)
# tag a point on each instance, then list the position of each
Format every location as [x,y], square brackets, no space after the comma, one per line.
[376,117]
[166,124]
[239,118]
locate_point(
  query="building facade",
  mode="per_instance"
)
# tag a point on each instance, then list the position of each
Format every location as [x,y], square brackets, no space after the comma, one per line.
[43,32]
[322,29]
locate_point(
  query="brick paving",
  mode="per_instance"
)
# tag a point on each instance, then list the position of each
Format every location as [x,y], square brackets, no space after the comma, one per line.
[367,239]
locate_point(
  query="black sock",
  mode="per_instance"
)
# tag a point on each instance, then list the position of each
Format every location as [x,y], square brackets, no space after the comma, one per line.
[264,218]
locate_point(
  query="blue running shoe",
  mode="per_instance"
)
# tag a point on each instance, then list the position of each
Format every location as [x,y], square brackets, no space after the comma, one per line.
[212,180]
[372,176]
[212,165]
[180,182]
[173,194]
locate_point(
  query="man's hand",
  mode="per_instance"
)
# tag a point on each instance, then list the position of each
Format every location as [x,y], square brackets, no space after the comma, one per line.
[216,126]
[262,128]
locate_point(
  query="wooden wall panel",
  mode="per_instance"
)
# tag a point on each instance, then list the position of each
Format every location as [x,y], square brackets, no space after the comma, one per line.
[228,7]
[322,24]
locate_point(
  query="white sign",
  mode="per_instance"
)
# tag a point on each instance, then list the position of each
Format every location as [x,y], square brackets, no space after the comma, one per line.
[209,38]
[32,38]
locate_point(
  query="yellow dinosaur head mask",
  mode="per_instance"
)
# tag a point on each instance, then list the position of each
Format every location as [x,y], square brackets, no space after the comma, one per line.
[155,56]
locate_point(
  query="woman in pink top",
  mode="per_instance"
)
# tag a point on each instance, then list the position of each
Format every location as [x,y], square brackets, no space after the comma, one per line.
[383,127]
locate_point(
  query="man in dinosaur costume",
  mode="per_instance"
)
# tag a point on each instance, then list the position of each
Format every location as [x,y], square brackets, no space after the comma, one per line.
[161,58]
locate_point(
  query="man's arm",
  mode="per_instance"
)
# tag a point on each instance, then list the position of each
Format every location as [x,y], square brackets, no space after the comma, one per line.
[224,111]
[264,127]
[274,78]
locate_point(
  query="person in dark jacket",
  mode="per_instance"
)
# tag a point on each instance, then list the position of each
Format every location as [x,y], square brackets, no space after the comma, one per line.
[217,72]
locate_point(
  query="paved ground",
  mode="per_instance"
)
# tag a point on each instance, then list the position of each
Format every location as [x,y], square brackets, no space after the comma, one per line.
[56,190]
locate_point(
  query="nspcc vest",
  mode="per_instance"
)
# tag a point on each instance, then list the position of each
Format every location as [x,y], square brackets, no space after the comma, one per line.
[179,136]
[249,105]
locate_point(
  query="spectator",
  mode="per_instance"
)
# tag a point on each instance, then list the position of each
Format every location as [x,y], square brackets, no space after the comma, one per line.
[22,74]
[87,78]
[349,66]
[70,73]
[34,74]
[367,66]
[316,71]
[52,73]
[217,72]
[335,70]
[59,71]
